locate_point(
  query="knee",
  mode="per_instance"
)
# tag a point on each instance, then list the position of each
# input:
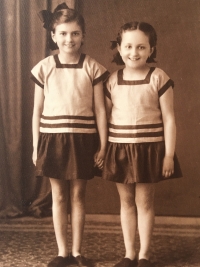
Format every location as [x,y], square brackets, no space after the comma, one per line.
[78,197]
[60,198]
[145,203]
[128,202]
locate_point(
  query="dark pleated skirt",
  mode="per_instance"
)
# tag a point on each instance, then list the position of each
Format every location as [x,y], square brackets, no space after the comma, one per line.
[136,163]
[66,156]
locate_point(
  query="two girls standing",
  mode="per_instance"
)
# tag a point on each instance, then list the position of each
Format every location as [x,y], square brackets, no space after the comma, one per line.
[68,104]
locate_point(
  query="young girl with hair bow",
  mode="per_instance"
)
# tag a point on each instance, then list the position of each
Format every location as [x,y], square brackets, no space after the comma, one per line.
[142,135]
[69,126]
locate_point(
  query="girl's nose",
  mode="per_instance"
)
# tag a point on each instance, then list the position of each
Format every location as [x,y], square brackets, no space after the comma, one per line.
[133,51]
[68,37]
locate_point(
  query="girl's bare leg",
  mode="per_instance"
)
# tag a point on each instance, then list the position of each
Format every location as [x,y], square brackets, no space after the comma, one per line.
[60,195]
[145,208]
[77,194]
[128,217]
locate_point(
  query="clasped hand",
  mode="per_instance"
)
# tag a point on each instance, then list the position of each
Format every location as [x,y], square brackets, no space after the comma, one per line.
[99,159]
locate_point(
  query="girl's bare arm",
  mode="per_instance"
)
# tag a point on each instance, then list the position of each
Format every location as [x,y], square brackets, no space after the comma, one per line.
[167,108]
[37,111]
[100,113]
[109,105]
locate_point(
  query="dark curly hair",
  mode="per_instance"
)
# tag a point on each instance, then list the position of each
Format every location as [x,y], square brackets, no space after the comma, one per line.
[147,29]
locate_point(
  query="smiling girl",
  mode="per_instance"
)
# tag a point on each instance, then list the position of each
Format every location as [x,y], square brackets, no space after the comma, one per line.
[142,134]
[68,111]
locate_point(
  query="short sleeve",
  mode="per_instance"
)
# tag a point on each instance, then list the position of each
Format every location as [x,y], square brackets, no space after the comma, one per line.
[100,73]
[109,84]
[163,82]
[38,74]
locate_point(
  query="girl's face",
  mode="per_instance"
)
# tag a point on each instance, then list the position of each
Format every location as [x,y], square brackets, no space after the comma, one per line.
[69,37]
[135,49]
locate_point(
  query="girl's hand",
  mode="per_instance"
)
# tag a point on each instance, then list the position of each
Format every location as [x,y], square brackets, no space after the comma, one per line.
[99,159]
[34,156]
[168,166]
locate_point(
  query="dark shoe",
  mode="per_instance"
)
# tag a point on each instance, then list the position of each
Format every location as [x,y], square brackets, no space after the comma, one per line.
[144,263]
[59,262]
[80,261]
[126,262]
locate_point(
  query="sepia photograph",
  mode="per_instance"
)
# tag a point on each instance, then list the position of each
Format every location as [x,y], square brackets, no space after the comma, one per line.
[100,133]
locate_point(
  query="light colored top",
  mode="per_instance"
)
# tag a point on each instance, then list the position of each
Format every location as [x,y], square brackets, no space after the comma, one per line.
[136,115]
[68,92]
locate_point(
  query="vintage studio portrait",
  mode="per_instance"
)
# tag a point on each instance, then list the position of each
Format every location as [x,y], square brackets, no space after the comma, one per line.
[100,133]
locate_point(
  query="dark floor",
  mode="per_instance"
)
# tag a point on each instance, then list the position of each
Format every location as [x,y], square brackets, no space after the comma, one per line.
[31,242]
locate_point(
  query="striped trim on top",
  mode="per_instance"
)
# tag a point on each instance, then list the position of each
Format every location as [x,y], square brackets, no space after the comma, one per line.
[129,127]
[67,117]
[133,133]
[52,124]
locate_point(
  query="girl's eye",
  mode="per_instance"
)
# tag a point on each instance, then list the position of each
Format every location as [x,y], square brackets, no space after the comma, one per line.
[75,33]
[141,47]
[128,46]
[63,33]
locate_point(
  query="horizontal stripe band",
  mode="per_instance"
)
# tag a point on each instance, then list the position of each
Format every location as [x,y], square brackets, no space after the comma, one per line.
[135,135]
[68,130]
[136,130]
[68,117]
[66,121]
[144,126]
[68,125]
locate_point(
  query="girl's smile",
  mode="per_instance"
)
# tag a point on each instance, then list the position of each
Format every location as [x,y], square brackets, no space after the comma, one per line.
[135,49]
[69,37]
